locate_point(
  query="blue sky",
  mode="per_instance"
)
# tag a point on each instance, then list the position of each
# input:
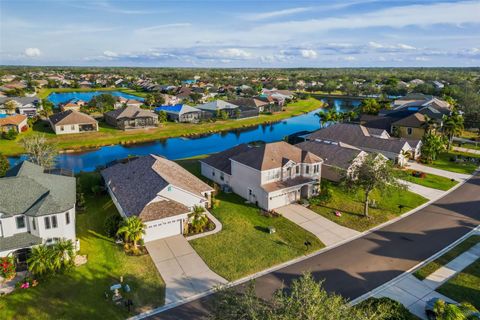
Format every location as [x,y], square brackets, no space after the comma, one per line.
[229,33]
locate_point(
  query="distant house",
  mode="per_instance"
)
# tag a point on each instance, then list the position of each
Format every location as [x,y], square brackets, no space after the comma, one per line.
[232,110]
[336,157]
[71,121]
[438,84]
[36,207]
[16,122]
[73,104]
[131,118]
[250,103]
[183,92]
[369,140]
[158,191]
[181,113]
[270,176]
[28,106]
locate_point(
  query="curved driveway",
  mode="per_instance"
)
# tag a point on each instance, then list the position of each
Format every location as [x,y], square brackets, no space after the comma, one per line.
[363,264]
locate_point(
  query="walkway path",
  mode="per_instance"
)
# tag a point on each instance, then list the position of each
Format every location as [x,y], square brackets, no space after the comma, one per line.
[327,231]
[414,293]
[448,174]
[429,193]
[466,150]
[184,272]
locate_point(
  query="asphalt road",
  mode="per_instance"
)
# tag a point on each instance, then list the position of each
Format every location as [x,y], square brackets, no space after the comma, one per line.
[363,264]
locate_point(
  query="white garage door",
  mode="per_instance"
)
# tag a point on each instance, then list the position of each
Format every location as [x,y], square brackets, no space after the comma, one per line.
[163,229]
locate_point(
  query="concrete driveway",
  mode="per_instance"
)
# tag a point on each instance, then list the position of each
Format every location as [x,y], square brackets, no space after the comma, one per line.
[327,231]
[439,172]
[184,272]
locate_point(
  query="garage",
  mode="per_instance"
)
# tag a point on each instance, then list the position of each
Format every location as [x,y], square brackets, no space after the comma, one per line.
[163,228]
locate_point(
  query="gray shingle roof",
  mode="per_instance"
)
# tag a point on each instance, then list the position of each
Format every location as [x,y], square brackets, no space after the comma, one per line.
[71,117]
[332,154]
[28,190]
[221,160]
[19,240]
[217,105]
[131,112]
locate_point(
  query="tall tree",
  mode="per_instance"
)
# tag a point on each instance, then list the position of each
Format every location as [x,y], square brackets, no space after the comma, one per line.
[39,151]
[452,125]
[375,172]
[432,146]
[370,106]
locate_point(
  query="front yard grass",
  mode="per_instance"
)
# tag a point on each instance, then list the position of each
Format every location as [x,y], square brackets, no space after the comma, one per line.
[436,264]
[108,135]
[465,286]
[244,245]
[430,180]
[444,162]
[350,204]
[79,294]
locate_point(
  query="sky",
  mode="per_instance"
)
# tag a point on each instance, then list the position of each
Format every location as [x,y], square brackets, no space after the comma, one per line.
[231,33]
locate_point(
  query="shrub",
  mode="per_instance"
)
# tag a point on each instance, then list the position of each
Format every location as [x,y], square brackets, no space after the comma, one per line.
[325,194]
[10,135]
[7,267]
[112,224]
[384,309]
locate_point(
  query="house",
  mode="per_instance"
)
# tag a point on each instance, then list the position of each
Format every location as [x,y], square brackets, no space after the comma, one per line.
[71,121]
[438,84]
[133,103]
[232,110]
[412,126]
[158,191]
[28,106]
[250,103]
[35,207]
[131,118]
[73,104]
[336,157]
[183,93]
[17,122]
[181,113]
[369,140]
[270,176]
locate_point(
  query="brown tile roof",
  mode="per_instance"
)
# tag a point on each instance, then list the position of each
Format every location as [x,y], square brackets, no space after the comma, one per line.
[415,120]
[137,183]
[131,112]
[12,120]
[273,155]
[71,117]
[279,185]
[162,209]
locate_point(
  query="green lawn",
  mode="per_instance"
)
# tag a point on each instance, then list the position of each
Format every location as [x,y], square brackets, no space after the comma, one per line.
[350,204]
[444,162]
[430,181]
[465,286]
[108,136]
[468,145]
[79,294]
[436,264]
[244,246]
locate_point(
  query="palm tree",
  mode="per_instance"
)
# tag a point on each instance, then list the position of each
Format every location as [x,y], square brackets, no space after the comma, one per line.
[63,254]
[432,145]
[452,125]
[329,116]
[132,229]
[40,259]
[198,218]
[430,124]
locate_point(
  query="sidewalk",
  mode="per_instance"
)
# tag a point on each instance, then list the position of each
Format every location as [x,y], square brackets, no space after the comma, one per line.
[414,293]
[448,174]
[429,193]
[466,150]
[327,231]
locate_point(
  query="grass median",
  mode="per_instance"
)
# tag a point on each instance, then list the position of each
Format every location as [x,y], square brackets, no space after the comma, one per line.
[429,181]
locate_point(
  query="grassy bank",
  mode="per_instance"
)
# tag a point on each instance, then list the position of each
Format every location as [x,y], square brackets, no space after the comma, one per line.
[108,135]
[79,294]
[350,204]
[430,180]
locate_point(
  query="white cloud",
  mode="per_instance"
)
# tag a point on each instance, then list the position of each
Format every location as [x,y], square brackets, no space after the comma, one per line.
[109,53]
[32,52]
[349,58]
[308,53]
[233,53]
[405,46]
[163,27]
[275,14]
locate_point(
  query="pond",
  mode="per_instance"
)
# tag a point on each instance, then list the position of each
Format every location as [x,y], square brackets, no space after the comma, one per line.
[181,147]
[61,97]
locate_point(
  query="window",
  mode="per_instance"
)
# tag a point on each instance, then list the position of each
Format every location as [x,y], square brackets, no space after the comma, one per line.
[61,128]
[34,225]
[20,222]
[47,222]
[67,217]
[54,221]
[221,176]
[316,168]
[213,173]
[72,127]
[307,169]
[409,131]
[297,169]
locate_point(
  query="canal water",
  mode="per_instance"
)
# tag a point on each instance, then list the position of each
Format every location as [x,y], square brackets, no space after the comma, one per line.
[177,148]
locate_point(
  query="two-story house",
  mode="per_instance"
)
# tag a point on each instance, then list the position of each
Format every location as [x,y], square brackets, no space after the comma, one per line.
[35,207]
[270,176]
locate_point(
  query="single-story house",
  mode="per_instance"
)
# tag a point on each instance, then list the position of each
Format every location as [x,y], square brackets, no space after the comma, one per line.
[271,176]
[233,110]
[28,106]
[71,121]
[35,207]
[336,157]
[17,122]
[158,191]
[131,118]
[251,103]
[73,104]
[181,113]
